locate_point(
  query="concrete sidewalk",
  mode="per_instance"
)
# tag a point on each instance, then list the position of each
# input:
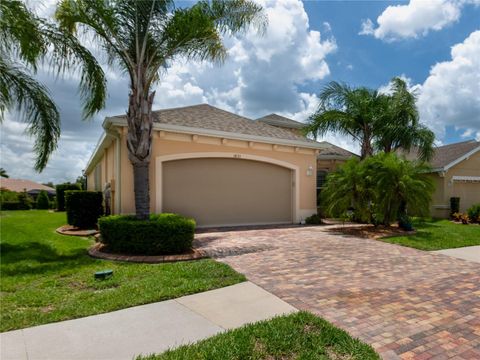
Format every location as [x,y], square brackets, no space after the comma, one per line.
[144,329]
[470,253]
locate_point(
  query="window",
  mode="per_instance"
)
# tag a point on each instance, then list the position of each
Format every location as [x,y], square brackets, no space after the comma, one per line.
[321,178]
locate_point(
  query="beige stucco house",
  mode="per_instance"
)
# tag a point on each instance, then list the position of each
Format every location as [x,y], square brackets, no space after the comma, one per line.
[215,166]
[456,173]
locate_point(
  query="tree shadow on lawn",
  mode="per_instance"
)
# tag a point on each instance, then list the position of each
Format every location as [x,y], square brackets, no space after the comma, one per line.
[34,258]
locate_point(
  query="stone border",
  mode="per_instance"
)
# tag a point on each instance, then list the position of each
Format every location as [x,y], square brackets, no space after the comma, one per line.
[96,252]
[73,231]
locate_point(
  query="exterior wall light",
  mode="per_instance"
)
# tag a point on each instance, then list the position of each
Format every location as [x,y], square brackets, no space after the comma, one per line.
[310,170]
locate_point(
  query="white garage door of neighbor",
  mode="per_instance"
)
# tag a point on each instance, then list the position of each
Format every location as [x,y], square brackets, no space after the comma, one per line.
[226,191]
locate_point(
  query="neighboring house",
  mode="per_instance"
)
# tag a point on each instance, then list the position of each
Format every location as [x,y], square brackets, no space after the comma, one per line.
[215,166]
[456,172]
[19,185]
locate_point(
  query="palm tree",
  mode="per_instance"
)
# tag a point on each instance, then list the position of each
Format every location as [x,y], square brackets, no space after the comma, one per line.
[398,126]
[347,189]
[399,186]
[3,173]
[381,122]
[26,42]
[348,111]
[141,37]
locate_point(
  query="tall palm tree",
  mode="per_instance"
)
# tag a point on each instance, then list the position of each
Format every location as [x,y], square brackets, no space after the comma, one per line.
[141,37]
[348,111]
[3,173]
[379,122]
[399,127]
[28,41]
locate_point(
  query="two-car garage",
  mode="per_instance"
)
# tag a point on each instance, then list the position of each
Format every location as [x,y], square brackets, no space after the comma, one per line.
[227,191]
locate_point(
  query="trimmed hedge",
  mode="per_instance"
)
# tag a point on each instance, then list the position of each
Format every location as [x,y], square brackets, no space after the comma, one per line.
[60,194]
[13,205]
[163,234]
[83,208]
[314,219]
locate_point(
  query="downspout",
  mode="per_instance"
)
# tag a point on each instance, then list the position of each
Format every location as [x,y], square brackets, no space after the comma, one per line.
[118,170]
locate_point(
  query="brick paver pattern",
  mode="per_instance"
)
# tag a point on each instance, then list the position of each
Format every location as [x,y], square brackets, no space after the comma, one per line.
[406,303]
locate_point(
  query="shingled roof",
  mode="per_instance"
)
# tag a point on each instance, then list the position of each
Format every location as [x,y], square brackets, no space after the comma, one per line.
[445,155]
[19,185]
[335,151]
[278,120]
[208,117]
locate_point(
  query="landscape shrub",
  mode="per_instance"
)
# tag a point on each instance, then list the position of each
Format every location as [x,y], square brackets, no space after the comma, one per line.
[83,208]
[42,201]
[454,205]
[161,234]
[474,213]
[378,190]
[314,219]
[60,194]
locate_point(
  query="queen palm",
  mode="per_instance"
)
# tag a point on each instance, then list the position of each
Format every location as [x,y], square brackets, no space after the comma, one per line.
[141,38]
[348,111]
[399,126]
[378,121]
[27,41]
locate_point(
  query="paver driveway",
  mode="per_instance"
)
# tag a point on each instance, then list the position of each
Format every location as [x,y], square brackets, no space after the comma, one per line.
[407,303]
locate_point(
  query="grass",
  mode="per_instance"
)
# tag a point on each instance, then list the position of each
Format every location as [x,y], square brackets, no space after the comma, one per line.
[298,336]
[47,277]
[438,235]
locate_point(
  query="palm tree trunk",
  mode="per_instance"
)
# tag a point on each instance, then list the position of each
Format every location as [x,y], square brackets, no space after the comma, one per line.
[139,144]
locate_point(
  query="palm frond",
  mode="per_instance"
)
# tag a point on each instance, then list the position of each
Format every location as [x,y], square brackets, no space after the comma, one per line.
[36,108]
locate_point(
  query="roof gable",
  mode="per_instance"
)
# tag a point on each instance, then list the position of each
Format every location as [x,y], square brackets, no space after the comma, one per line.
[449,155]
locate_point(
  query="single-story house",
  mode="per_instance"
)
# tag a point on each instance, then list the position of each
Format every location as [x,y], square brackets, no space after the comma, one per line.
[213,165]
[31,187]
[456,172]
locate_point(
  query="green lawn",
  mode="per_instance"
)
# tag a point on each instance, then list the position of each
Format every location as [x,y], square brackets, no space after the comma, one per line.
[47,277]
[298,336]
[438,235]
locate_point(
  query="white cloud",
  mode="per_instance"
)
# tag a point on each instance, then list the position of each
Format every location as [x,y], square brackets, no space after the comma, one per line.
[415,19]
[450,94]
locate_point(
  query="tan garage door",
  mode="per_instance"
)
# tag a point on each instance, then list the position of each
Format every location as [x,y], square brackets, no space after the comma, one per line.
[218,191]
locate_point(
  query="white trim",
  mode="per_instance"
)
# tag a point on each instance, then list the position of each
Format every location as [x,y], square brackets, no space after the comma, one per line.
[160,159]
[466,178]
[222,134]
[442,207]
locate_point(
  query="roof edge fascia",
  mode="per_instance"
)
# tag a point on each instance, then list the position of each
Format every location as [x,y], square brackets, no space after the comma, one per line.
[221,134]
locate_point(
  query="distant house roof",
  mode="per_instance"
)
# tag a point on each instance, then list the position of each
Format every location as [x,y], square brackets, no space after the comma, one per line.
[218,121]
[281,121]
[335,152]
[19,185]
[449,155]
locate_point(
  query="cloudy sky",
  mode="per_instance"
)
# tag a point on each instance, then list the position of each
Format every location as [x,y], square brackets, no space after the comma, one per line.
[435,45]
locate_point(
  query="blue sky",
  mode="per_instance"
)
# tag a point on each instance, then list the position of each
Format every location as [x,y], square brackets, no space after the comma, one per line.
[434,44]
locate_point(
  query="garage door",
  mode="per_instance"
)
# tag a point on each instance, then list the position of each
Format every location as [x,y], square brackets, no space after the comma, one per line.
[221,192]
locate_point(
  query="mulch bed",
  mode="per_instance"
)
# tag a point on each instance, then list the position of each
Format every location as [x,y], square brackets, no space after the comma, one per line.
[371,232]
[74,231]
[99,251]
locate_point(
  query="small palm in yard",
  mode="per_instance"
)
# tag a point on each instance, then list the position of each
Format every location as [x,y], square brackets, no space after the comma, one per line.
[380,189]
[140,38]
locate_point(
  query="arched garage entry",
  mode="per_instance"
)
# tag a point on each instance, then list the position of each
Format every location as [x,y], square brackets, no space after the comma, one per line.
[227,189]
